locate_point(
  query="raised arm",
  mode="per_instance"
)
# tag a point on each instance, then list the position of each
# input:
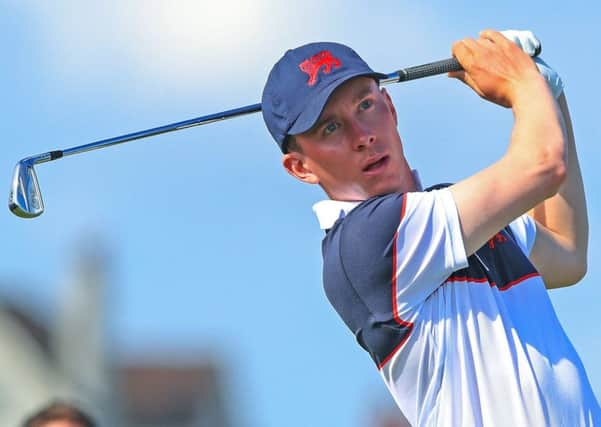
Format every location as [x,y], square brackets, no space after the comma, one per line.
[534,165]
[560,249]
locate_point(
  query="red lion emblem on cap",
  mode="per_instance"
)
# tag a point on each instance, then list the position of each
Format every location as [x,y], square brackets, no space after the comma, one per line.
[312,65]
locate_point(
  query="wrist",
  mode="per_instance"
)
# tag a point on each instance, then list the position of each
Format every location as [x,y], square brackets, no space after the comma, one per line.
[529,92]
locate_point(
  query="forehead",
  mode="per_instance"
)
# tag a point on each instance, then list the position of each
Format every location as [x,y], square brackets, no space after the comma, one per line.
[350,90]
[343,96]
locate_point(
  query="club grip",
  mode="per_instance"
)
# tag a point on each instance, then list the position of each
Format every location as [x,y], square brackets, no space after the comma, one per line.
[438,67]
[430,69]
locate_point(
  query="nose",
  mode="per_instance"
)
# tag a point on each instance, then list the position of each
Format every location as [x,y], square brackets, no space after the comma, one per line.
[362,136]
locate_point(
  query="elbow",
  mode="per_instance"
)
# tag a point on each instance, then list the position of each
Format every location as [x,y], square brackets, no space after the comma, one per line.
[579,272]
[550,160]
[553,172]
[557,176]
[570,276]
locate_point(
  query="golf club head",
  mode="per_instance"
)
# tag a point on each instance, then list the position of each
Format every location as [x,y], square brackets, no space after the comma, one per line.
[25,199]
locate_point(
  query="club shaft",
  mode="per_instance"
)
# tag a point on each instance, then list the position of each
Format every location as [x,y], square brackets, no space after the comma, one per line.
[402,75]
[211,118]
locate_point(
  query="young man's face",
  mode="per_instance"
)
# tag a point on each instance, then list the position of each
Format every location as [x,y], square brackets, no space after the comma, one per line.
[354,150]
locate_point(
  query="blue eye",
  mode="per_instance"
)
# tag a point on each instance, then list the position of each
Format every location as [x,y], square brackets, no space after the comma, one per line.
[365,104]
[331,127]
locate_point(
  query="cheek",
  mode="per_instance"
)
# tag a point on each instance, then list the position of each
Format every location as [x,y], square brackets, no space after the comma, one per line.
[333,168]
[326,158]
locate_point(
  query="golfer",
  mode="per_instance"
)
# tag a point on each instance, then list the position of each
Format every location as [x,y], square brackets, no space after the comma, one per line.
[446,287]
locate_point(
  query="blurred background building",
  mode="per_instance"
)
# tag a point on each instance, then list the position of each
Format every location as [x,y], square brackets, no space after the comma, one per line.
[65,353]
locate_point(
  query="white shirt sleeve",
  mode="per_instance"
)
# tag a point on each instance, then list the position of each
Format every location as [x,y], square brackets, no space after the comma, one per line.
[428,246]
[524,231]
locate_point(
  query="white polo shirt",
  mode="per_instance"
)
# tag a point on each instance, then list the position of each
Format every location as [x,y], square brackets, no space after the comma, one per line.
[459,341]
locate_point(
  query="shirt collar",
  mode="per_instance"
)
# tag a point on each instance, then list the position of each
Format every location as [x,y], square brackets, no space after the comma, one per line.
[330,211]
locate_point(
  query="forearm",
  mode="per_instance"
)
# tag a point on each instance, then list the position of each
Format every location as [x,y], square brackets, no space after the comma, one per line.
[530,172]
[564,218]
[538,144]
[534,166]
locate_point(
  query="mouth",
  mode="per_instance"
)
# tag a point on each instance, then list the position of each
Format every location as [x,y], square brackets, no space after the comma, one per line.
[376,165]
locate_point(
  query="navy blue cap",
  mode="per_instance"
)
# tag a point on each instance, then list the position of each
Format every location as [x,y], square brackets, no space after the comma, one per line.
[301,82]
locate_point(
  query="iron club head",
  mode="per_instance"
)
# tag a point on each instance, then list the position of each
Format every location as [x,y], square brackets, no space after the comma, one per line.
[25,199]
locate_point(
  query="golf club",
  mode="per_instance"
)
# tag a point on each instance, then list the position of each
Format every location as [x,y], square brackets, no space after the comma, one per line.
[25,198]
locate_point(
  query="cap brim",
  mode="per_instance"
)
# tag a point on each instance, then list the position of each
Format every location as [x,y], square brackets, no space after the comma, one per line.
[308,117]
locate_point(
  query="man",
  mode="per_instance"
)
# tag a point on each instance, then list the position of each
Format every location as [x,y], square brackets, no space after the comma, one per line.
[445,288]
[58,414]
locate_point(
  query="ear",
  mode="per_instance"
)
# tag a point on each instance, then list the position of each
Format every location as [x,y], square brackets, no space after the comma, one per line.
[295,164]
[390,104]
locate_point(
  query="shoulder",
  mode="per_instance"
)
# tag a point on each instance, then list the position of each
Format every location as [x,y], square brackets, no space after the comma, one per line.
[372,219]
[381,215]
[384,212]
[414,235]
[363,238]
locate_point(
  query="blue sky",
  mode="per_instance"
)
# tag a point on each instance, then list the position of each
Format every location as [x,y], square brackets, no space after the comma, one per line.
[213,246]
